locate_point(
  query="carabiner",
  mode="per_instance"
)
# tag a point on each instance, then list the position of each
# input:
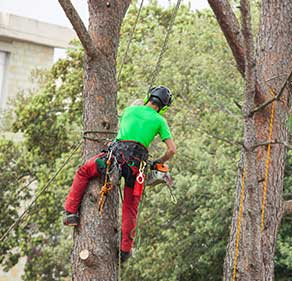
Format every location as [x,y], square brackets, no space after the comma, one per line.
[140,178]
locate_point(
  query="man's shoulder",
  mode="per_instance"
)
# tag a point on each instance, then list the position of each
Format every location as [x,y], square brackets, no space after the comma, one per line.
[134,108]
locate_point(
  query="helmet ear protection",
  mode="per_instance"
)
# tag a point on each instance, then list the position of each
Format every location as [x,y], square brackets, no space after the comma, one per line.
[163,109]
[148,95]
[161,96]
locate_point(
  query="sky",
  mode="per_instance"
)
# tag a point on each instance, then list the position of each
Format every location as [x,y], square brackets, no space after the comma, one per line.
[50,10]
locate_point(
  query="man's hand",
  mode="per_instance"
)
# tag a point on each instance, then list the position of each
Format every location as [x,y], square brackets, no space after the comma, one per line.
[171,150]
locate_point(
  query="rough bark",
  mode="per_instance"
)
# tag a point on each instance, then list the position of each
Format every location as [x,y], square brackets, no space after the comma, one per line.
[254,253]
[273,60]
[273,65]
[98,235]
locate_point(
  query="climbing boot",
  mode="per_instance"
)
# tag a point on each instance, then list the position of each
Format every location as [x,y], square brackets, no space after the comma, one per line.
[71,219]
[125,256]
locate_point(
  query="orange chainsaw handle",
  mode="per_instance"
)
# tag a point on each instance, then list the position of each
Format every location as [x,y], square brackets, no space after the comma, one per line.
[161,167]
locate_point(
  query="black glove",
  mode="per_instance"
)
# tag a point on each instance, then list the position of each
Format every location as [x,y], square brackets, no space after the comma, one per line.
[154,163]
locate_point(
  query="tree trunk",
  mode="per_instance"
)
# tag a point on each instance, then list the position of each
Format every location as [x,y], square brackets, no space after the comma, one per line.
[95,252]
[273,67]
[256,244]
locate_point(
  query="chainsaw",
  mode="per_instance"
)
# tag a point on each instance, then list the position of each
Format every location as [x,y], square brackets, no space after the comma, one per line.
[158,173]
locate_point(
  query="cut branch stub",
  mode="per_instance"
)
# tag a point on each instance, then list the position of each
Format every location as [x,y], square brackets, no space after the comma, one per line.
[288,207]
[88,258]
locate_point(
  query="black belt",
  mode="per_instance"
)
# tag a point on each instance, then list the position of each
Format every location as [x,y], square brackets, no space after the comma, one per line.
[128,150]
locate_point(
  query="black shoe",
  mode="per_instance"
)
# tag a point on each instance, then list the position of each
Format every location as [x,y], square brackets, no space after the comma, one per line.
[125,256]
[71,219]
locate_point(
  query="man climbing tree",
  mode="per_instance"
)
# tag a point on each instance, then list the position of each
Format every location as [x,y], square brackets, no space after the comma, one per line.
[100,43]
[128,155]
[259,206]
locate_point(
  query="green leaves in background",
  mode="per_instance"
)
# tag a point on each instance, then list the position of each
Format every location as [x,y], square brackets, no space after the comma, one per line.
[185,241]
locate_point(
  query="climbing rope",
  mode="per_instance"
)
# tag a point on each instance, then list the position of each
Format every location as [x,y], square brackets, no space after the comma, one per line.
[107,185]
[26,211]
[130,40]
[268,160]
[267,166]
[95,132]
[239,217]
[163,49]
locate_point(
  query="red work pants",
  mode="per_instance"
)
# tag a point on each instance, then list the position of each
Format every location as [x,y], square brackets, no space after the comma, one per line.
[130,203]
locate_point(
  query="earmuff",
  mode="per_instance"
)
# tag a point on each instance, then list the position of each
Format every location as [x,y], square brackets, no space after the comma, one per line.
[148,95]
[163,110]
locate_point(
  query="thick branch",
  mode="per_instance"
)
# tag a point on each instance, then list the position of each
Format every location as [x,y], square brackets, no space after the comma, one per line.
[79,27]
[250,80]
[277,97]
[288,207]
[231,29]
[272,142]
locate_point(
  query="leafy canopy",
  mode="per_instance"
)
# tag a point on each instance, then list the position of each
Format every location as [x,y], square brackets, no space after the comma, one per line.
[185,241]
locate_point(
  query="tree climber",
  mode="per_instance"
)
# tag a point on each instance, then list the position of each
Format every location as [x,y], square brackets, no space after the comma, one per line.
[138,127]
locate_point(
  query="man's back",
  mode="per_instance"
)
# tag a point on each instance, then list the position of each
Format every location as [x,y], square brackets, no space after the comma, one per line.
[142,124]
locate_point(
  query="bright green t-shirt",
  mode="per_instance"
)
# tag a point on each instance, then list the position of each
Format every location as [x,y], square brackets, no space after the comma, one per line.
[142,123]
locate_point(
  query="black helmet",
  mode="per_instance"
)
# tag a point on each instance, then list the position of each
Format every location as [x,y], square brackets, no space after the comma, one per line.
[161,93]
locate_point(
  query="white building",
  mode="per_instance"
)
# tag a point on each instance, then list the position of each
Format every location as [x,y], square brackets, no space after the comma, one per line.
[25,45]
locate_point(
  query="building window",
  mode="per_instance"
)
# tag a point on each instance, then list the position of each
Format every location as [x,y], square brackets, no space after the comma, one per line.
[3,64]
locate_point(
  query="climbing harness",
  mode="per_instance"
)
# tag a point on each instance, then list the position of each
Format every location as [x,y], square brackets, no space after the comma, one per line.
[239,217]
[124,158]
[272,117]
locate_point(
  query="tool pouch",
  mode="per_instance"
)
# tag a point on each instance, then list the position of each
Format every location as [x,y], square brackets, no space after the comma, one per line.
[139,185]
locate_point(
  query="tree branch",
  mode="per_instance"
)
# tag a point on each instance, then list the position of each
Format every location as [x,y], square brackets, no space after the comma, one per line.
[288,207]
[277,97]
[79,28]
[230,142]
[287,196]
[231,29]
[250,77]
[272,142]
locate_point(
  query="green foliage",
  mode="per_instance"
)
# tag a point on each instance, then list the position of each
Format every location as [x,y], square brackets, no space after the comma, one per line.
[185,241]
[50,121]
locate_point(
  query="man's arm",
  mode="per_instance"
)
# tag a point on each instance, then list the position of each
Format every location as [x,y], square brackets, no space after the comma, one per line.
[171,150]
